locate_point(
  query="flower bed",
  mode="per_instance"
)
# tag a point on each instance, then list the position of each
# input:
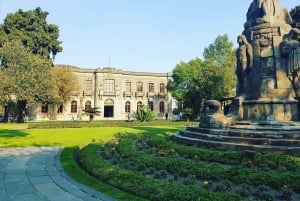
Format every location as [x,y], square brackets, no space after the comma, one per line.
[156,168]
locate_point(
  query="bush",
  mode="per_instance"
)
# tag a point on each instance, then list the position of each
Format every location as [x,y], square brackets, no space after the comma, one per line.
[144,114]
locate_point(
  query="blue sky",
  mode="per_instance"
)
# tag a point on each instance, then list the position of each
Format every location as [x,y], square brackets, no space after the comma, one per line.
[138,35]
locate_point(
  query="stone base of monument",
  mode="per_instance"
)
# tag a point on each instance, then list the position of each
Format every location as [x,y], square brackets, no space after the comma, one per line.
[271,110]
[251,136]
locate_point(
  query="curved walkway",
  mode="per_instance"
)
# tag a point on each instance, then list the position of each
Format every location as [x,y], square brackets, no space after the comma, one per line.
[35,174]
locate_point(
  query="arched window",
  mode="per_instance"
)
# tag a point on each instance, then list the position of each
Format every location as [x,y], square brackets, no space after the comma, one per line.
[87,105]
[162,107]
[139,105]
[60,108]
[74,107]
[150,105]
[127,107]
[44,108]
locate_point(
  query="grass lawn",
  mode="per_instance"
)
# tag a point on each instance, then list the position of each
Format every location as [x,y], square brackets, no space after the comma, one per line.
[14,135]
[17,135]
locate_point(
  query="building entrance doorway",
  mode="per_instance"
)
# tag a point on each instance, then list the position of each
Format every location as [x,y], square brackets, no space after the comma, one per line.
[108,108]
[108,111]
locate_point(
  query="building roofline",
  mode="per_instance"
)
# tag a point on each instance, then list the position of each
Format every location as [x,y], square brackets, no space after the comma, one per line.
[111,70]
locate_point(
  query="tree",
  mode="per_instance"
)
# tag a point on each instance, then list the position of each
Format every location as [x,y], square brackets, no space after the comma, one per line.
[198,80]
[295,14]
[32,29]
[27,78]
[91,112]
[64,83]
[221,52]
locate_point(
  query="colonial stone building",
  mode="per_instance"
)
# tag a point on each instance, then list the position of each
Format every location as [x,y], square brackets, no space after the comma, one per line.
[115,92]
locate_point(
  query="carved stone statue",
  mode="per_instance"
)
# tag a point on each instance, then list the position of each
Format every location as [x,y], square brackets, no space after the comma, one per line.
[269,8]
[244,57]
[290,42]
[266,11]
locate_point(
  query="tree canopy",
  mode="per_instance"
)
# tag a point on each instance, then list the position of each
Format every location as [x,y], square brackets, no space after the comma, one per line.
[221,52]
[32,29]
[199,80]
[26,77]
[28,45]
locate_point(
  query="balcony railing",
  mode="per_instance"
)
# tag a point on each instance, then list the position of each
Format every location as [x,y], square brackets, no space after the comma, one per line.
[109,93]
[139,94]
[162,95]
[127,93]
[151,94]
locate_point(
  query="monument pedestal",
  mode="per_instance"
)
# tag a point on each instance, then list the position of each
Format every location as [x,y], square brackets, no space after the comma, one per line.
[271,110]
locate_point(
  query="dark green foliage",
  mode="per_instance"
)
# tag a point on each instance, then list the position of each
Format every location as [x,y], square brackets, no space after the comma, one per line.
[32,29]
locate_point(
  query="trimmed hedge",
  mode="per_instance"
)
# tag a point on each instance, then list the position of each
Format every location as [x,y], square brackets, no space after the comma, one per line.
[106,123]
[137,184]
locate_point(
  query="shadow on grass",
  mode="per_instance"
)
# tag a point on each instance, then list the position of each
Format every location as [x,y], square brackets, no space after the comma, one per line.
[5,133]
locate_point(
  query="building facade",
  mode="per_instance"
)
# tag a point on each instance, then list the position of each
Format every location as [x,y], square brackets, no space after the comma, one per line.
[115,92]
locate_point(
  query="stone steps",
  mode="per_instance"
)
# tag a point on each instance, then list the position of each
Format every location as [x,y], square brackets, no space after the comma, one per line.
[237,146]
[261,137]
[261,140]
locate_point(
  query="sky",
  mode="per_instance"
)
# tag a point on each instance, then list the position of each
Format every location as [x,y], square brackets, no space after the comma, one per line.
[138,35]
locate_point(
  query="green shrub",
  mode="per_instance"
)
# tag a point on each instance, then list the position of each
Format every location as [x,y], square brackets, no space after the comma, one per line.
[144,114]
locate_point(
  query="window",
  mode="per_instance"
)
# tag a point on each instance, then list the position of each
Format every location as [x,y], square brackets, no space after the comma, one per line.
[139,105]
[139,87]
[151,87]
[87,105]
[128,86]
[44,108]
[127,106]
[74,107]
[109,85]
[60,108]
[162,107]
[88,85]
[162,88]
[150,105]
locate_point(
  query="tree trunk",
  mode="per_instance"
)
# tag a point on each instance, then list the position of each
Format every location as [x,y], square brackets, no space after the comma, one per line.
[21,105]
[53,113]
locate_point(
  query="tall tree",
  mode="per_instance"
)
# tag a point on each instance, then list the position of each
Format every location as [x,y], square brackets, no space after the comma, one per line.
[221,52]
[32,29]
[198,80]
[27,78]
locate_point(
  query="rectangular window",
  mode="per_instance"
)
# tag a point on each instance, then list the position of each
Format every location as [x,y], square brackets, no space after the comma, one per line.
[88,85]
[139,87]
[60,108]
[151,87]
[162,88]
[74,107]
[44,108]
[127,86]
[109,85]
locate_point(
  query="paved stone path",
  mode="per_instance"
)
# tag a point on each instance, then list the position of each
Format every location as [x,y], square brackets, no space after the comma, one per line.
[35,174]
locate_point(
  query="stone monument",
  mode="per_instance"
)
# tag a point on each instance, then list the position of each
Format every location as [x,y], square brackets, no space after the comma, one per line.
[264,115]
[268,92]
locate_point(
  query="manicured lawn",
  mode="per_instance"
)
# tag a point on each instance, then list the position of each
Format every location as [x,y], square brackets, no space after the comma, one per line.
[12,135]
[16,135]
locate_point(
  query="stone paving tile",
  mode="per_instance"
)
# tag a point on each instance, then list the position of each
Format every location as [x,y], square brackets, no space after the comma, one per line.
[30,197]
[35,174]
